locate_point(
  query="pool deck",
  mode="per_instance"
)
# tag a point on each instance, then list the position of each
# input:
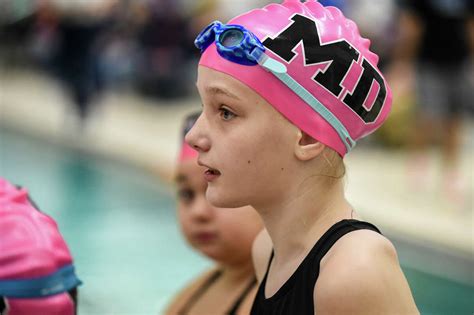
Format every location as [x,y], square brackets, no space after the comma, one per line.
[146,132]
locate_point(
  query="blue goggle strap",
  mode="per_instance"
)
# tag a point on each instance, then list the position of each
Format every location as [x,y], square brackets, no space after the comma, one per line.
[279,70]
[62,280]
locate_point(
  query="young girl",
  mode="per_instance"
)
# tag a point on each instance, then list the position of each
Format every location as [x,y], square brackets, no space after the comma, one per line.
[224,235]
[286,91]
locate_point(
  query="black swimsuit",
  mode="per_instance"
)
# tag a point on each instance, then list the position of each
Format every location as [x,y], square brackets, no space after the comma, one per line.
[206,285]
[296,295]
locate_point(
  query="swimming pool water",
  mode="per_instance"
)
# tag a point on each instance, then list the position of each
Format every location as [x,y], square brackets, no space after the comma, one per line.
[120,224]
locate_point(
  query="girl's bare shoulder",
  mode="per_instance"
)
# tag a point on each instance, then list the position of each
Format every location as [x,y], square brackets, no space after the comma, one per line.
[361,274]
[360,247]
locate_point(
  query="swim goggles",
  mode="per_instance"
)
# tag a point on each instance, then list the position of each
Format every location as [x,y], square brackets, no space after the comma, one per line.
[237,44]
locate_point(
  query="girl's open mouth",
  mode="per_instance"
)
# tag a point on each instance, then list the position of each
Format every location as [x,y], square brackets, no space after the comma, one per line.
[211,174]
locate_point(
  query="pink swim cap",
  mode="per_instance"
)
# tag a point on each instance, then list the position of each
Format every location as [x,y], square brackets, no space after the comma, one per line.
[187,153]
[36,267]
[325,54]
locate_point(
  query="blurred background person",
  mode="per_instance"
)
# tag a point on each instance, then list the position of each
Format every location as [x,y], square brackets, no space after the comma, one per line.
[166,44]
[76,59]
[223,235]
[378,27]
[37,274]
[435,47]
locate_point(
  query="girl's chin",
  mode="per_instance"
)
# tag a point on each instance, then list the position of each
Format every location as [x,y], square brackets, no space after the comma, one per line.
[220,199]
[216,197]
[212,253]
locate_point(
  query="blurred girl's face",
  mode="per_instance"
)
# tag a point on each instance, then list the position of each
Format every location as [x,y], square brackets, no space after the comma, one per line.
[225,235]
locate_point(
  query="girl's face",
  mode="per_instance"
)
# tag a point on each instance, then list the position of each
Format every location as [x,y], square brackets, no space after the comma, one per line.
[243,143]
[225,235]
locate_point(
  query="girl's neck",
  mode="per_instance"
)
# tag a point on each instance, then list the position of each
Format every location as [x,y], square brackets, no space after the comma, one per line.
[237,272]
[295,224]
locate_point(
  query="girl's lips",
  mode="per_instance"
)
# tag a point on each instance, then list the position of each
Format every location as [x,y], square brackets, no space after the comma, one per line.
[211,174]
[205,237]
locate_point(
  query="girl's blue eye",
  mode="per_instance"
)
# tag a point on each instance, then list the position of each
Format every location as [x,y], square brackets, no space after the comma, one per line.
[226,114]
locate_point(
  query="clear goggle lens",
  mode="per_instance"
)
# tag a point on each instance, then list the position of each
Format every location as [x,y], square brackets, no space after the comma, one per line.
[231,38]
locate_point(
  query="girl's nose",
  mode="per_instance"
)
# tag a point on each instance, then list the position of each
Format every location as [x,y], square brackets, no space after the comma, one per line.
[197,137]
[201,209]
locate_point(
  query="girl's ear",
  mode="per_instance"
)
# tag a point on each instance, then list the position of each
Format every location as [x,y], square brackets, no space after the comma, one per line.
[306,147]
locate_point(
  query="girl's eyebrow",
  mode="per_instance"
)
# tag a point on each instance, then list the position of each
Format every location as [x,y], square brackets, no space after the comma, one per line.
[222,91]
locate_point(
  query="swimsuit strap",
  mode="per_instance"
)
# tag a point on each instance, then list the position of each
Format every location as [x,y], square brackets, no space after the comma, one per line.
[241,298]
[199,292]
